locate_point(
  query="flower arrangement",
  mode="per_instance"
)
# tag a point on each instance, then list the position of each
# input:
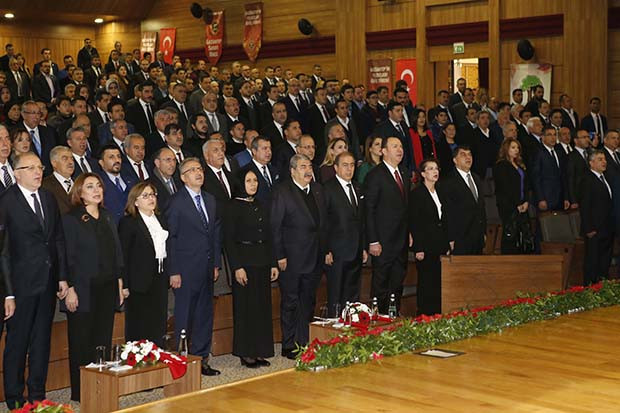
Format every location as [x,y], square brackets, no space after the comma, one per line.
[45,406]
[140,353]
[357,314]
[359,345]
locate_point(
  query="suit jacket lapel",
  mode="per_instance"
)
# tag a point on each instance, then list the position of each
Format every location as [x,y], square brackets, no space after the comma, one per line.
[194,211]
[297,193]
[144,229]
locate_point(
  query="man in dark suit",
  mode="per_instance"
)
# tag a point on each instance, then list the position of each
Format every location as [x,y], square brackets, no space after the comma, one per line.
[466,203]
[60,182]
[248,109]
[457,97]
[231,113]
[531,142]
[594,122]
[350,128]
[77,141]
[47,57]
[316,76]
[317,116]
[34,271]
[194,259]
[570,118]
[548,175]
[538,96]
[92,73]
[99,116]
[387,199]
[133,165]
[217,180]
[141,113]
[284,152]
[294,106]
[7,175]
[165,177]
[267,174]
[177,102]
[114,63]
[394,126]
[86,53]
[43,138]
[443,103]
[244,157]
[274,129]
[485,147]
[116,186]
[265,109]
[611,142]
[345,240]
[45,86]
[17,80]
[577,164]
[596,213]
[216,122]
[298,220]
[460,109]
[5,60]
[142,74]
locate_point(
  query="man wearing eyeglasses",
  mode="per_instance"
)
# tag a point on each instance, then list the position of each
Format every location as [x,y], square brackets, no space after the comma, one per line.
[194,259]
[30,224]
[42,137]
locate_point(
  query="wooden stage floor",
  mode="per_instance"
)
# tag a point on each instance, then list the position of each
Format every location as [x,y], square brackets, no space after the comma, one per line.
[569,364]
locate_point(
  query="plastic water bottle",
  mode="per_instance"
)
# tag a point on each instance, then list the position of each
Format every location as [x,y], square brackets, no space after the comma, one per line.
[347,311]
[375,307]
[392,307]
[183,348]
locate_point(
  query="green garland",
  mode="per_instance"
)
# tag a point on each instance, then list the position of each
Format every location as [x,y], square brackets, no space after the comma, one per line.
[360,345]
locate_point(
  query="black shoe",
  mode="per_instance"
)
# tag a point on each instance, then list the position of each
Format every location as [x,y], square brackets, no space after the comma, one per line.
[263,363]
[289,354]
[206,370]
[249,362]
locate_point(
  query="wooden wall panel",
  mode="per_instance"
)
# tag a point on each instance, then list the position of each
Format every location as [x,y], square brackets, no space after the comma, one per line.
[613,78]
[298,64]
[511,9]
[469,12]
[128,33]
[385,15]
[350,43]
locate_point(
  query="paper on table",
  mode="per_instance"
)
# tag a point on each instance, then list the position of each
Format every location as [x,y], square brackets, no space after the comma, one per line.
[94,366]
[121,368]
[439,353]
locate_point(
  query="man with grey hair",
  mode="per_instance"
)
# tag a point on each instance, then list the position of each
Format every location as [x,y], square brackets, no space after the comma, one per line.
[77,140]
[157,139]
[42,137]
[7,177]
[134,165]
[509,130]
[298,221]
[532,142]
[59,183]
[119,133]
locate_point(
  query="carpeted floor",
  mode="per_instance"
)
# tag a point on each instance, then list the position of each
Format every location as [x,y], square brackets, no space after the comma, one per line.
[229,366]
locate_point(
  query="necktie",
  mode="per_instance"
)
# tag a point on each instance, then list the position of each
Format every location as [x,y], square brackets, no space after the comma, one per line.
[266,175]
[400,129]
[352,197]
[149,114]
[214,122]
[183,110]
[596,125]
[555,158]
[37,209]
[50,83]
[35,140]
[250,105]
[179,157]
[140,173]
[67,185]
[296,100]
[399,182]
[325,115]
[201,212]
[600,125]
[219,176]
[585,155]
[83,165]
[18,79]
[171,186]
[117,182]
[605,183]
[472,186]
[616,158]
[8,181]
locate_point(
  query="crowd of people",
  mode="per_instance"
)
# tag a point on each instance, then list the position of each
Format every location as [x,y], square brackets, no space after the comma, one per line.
[126,176]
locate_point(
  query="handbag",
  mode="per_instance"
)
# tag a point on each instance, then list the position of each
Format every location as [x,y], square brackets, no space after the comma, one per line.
[518,232]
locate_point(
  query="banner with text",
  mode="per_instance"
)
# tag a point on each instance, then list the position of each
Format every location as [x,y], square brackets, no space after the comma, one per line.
[406,69]
[147,44]
[214,37]
[166,43]
[253,30]
[380,74]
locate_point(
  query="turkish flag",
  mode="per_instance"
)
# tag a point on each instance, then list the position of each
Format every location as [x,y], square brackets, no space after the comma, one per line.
[406,69]
[166,43]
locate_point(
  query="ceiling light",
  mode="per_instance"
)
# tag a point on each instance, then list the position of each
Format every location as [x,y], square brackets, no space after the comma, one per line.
[98,20]
[9,15]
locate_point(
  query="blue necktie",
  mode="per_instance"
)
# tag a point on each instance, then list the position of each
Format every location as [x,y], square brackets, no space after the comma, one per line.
[201,212]
[117,182]
[36,142]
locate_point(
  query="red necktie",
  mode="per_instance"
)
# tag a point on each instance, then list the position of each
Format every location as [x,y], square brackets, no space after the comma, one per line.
[140,173]
[399,182]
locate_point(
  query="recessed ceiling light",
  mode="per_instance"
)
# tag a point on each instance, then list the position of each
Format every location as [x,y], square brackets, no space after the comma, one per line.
[98,20]
[9,15]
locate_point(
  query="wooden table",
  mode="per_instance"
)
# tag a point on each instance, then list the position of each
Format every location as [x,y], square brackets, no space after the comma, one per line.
[100,390]
[326,331]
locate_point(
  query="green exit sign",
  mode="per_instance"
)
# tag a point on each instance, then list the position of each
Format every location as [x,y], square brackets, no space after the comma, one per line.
[458,48]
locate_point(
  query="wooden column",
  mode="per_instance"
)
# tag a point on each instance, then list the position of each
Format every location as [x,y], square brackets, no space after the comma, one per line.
[494,50]
[585,52]
[426,76]
[351,40]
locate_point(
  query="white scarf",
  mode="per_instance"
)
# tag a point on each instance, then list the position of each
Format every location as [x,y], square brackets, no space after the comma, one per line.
[159,237]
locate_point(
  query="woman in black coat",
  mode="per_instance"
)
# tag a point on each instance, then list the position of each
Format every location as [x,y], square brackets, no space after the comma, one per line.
[511,188]
[249,247]
[95,261]
[429,228]
[143,237]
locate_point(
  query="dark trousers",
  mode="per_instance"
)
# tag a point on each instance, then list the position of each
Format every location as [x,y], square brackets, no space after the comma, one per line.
[146,312]
[28,333]
[429,285]
[597,257]
[193,312]
[387,279]
[343,283]
[89,329]
[297,301]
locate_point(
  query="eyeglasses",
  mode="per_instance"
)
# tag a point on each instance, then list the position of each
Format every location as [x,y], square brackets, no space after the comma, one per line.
[32,168]
[149,195]
[193,170]
[31,113]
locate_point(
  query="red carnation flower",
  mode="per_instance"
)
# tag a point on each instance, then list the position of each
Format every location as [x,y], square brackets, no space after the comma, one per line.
[364,318]
[131,359]
[308,356]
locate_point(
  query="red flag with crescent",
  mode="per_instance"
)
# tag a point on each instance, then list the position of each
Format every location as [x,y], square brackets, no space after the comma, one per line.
[214,37]
[406,69]
[166,43]
[253,30]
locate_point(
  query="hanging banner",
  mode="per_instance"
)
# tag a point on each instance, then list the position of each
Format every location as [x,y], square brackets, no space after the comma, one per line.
[526,76]
[406,69]
[253,30]
[214,37]
[147,44]
[380,74]
[166,43]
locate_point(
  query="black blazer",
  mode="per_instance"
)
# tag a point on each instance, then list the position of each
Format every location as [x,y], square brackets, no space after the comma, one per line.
[430,233]
[566,121]
[163,191]
[264,189]
[292,111]
[613,168]
[508,188]
[250,114]
[345,225]
[468,227]
[11,82]
[576,168]
[213,186]
[83,254]
[387,211]
[31,254]
[270,131]
[140,265]
[316,129]
[94,166]
[587,123]
[282,157]
[41,90]
[136,116]
[386,129]
[596,206]
[548,179]
[296,235]
[48,141]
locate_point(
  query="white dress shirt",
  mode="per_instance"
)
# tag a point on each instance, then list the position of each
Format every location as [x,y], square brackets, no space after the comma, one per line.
[221,171]
[28,195]
[133,163]
[345,187]
[61,179]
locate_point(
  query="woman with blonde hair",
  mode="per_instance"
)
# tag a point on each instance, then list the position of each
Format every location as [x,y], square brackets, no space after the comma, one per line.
[334,148]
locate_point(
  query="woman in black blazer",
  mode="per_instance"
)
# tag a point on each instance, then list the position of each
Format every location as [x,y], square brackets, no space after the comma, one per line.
[429,226]
[511,188]
[143,237]
[248,243]
[95,261]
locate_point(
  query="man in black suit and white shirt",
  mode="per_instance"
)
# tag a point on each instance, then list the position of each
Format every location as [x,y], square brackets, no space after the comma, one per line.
[317,116]
[274,129]
[345,241]
[298,220]
[17,80]
[577,164]
[43,139]
[570,118]
[443,99]
[350,128]
[387,230]
[45,86]
[295,107]
[165,176]
[78,143]
[140,114]
[267,174]
[611,143]
[178,103]
[317,71]
[457,97]
[395,126]
[284,152]
[594,121]
[7,175]
[31,229]
[218,181]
